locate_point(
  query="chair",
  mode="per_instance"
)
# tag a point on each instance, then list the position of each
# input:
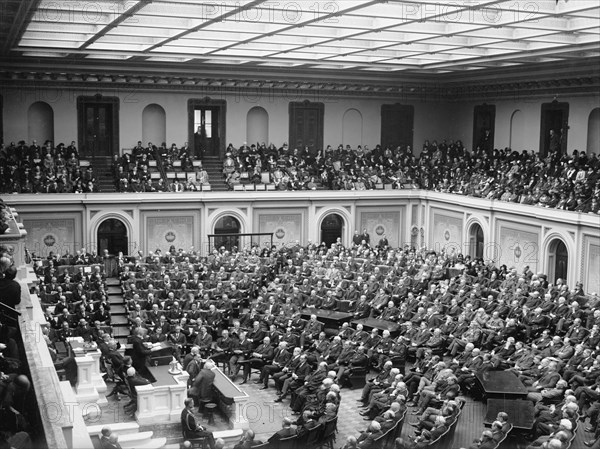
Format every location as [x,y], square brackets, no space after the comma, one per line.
[311,438]
[198,443]
[287,443]
[328,435]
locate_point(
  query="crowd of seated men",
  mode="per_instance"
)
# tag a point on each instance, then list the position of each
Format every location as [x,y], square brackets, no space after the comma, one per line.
[568,182]
[132,170]
[486,318]
[72,292]
[47,169]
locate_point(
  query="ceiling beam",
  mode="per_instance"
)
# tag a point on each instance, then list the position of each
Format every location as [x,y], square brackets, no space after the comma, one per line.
[19,23]
[118,20]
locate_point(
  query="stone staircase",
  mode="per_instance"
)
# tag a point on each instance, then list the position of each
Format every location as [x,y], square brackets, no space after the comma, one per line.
[214,167]
[130,436]
[118,312]
[102,167]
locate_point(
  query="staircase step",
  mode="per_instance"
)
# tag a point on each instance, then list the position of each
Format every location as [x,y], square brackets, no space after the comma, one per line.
[113,290]
[135,439]
[121,332]
[110,282]
[155,443]
[122,428]
[119,321]
[117,309]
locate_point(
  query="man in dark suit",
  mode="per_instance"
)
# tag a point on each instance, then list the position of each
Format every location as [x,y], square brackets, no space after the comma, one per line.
[192,430]
[134,380]
[140,356]
[280,358]
[241,349]
[286,431]
[296,379]
[178,340]
[203,382]
[367,439]
[262,355]
[287,370]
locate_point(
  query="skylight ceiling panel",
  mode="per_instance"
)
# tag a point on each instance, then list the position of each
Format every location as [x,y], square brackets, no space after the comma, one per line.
[242,27]
[575,24]
[355,58]
[203,11]
[587,39]
[114,46]
[366,44]
[308,55]
[193,43]
[55,36]
[66,28]
[63,13]
[48,43]
[293,41]
[319,32]
[217,36]
[397,10]
[242,52]
[135,40]
[174,23]
[182,50]
[125,31]
[433,28]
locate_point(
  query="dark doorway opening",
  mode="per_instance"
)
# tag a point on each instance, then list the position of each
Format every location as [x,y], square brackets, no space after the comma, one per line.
[98,126]
[332,228]
[397,125]
[306,125]
[206,119]
[112,235]
[558,262]
[227,225]
[484,119]
[476,241]
[554,128]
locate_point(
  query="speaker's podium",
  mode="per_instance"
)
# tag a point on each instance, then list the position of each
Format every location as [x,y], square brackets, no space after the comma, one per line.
[162,353]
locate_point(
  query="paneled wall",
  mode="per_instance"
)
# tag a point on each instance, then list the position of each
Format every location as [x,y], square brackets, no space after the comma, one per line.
[513,234]
[346,120]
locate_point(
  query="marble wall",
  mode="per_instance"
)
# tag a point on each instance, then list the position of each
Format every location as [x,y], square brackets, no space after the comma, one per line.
[514,234]
[446,231]
[517,245]
[45,234]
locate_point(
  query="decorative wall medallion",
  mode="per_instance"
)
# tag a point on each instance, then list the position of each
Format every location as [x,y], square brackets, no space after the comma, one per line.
[49,240]
[518,252]
[380,230]
[170,237]
[280,233]
[447,235]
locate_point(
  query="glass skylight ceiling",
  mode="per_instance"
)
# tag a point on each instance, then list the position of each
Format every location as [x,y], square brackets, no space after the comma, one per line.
[418,36]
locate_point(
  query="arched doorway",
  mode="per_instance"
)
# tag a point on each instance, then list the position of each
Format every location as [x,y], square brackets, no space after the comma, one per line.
[558,261]
[112,235]
[476,241]
[227,225]
[332,227]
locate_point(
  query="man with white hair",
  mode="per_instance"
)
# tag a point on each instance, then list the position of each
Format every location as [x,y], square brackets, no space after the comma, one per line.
[366,440]
[565,426]
[202,384]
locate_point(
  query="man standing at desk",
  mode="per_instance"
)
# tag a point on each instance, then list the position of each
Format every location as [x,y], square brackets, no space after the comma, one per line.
[203,382]
[140,356]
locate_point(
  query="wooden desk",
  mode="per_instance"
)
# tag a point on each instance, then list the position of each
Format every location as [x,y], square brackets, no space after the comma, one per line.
[90,383]
[162,401]
[162,354]
[331,318]
[501,385]
[520,412]
[373,323]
